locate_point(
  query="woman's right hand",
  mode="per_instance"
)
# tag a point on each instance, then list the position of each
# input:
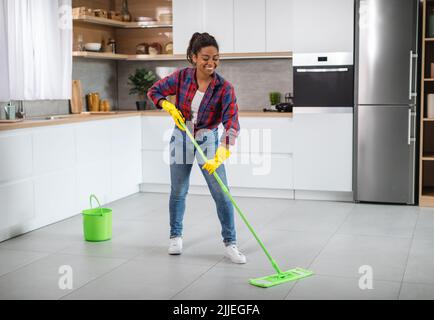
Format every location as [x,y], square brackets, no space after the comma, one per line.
[175,113]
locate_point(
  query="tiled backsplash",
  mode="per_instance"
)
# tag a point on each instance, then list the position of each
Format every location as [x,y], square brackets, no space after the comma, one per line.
[252,79]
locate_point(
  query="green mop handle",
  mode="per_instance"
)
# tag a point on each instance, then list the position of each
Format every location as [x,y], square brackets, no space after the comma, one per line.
[226,191]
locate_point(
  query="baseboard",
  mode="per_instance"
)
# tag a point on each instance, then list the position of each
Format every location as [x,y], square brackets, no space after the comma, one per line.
[235,191]
[324,195]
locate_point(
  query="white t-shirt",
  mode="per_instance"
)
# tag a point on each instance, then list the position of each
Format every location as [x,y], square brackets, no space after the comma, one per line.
[195,104]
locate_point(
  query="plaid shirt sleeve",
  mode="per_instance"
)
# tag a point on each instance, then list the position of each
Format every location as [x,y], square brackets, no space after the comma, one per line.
[163,88]
[229,116]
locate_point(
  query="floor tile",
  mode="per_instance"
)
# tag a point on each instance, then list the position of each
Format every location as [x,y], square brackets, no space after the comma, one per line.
[420,265]
[381,220]
[425,225]
[416,291]
[11,260]
[140,280]
[312,216]
[345,254]
[318,287]
[40,279]
[288,248]
[231,283]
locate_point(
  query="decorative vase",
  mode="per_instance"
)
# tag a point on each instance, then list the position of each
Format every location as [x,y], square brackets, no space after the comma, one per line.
[141,105]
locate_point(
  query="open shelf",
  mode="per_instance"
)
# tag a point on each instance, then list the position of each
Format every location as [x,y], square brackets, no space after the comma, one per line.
[119,24]
[100,55]
[180,57]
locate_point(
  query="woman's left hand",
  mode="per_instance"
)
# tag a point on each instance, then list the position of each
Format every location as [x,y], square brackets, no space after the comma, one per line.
[220,156]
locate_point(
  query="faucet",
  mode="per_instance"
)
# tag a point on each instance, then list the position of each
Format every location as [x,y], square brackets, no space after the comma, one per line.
[21,112]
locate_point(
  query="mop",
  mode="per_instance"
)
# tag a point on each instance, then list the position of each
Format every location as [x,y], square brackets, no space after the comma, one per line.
[267,281]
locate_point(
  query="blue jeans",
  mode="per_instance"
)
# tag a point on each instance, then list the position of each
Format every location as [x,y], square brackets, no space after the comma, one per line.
[183,153]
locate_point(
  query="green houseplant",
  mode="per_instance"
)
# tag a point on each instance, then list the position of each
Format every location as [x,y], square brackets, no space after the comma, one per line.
[140,82]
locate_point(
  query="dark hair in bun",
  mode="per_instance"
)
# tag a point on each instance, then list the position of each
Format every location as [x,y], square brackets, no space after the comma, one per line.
[199,41]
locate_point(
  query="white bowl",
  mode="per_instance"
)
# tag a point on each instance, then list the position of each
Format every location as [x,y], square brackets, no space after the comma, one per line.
[92,46]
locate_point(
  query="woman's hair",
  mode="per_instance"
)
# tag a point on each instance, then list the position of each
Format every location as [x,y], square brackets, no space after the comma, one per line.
[199,41]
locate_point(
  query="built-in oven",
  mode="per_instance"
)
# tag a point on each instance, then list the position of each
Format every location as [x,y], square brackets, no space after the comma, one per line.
[323,80]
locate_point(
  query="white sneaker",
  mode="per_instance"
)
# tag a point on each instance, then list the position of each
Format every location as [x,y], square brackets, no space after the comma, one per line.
[175,246]
[234,254]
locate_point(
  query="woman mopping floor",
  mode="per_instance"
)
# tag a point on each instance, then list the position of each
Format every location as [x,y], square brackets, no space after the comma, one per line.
[205,99]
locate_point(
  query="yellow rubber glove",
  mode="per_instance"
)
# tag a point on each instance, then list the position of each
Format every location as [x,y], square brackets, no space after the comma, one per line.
[175,113]
[220,156]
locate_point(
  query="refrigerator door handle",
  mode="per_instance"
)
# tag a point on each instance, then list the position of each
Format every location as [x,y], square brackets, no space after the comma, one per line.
[410,115]
[411,94]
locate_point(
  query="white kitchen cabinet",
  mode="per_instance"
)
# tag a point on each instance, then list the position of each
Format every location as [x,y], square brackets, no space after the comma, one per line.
[218,20]
[55,196]
[322,26]
[249,26]
[53,148]
[263,171]
[156,166]
[323,149]
[279,25]
[187,19]
[126,157]
[265,135]
[16,205]
[16,155]
[156,132]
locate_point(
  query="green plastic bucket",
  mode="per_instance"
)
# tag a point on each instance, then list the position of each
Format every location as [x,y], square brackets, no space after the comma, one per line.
[97,222]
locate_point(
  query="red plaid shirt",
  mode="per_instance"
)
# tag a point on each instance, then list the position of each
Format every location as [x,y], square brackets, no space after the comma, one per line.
[219,104]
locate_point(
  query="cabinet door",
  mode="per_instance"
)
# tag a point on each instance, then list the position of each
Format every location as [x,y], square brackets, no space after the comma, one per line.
[323,26]
[323,149]
[218,20]
[126,157]
[279,28]
[249,26]
[187,19]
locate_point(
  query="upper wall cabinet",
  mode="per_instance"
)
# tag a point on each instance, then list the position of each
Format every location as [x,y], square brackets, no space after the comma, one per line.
[244,26]
[218,20]
[187,19]
[249,26]
[322,26]
[279,28]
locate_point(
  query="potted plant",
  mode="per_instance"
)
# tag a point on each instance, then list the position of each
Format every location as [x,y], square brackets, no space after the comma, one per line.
[140,82]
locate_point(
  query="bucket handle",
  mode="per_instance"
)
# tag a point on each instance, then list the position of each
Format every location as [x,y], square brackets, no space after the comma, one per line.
[92,196]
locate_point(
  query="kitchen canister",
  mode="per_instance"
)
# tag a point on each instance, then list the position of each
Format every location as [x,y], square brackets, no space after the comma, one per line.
[430,105]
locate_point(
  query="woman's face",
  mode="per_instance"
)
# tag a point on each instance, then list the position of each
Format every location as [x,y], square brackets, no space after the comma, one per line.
[207,60]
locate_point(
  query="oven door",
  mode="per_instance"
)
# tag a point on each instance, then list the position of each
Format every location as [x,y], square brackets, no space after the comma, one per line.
[324,86]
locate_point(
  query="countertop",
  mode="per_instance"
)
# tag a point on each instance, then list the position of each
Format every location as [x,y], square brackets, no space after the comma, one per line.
[72,118]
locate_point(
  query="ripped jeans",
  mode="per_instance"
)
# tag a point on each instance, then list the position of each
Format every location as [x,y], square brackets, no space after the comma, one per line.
[182,155]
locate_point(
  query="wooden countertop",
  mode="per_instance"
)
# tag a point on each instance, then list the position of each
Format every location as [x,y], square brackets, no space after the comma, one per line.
[72,118]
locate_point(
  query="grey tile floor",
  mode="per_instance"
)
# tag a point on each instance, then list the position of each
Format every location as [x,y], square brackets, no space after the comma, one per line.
[333,239]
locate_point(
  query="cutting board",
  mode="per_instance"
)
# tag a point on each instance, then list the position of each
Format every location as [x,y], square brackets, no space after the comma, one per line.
[76,97]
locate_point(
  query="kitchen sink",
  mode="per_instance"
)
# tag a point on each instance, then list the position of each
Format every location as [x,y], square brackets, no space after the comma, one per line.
[47,118]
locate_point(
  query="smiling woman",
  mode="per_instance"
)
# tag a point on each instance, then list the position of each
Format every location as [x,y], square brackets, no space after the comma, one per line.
[205,100]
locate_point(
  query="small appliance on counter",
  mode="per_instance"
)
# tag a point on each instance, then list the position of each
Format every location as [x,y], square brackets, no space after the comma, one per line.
[282,106]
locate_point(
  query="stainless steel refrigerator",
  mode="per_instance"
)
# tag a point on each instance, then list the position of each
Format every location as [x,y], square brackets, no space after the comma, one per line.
[385,100]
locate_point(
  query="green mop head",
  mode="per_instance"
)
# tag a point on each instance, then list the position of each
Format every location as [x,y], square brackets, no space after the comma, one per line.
[275,279]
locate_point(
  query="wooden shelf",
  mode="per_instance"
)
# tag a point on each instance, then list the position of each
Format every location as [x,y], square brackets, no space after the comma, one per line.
[428,79]
[119,24]
[99,55]
[428,119]
[429,39]
[428,156]
[180,57]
